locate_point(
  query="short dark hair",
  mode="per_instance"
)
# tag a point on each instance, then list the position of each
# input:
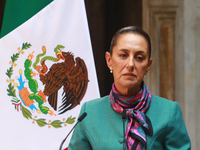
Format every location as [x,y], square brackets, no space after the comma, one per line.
[130,29]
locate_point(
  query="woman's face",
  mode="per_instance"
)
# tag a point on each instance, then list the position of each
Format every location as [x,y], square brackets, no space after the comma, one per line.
[129,62]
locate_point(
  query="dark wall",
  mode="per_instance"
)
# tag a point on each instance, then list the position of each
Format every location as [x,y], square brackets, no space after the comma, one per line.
[2,5]
[105,17]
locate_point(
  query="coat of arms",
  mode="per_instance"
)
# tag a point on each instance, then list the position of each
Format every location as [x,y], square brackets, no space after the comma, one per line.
[65,73]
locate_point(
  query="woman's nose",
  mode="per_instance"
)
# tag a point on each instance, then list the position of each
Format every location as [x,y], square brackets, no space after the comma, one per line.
[130,63]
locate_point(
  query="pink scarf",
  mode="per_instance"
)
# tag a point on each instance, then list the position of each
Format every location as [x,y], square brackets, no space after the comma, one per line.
[139,124]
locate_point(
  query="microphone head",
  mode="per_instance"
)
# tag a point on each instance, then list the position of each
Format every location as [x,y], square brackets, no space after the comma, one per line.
[124,114]
[82,117]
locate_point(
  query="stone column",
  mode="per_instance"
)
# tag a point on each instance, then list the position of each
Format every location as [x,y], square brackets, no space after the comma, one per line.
[191,40]
[174,28]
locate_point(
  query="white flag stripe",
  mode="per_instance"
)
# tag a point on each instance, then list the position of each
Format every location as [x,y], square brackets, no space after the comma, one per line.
[62,22]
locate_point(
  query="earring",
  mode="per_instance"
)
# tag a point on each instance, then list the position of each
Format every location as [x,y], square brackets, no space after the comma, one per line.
[111,71]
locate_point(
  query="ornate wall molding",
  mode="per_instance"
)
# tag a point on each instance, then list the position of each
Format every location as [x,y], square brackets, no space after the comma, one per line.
[174,28]
[162,32]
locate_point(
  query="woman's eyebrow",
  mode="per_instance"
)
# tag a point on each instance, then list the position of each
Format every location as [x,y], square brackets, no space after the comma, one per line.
[140,52]
[126,50]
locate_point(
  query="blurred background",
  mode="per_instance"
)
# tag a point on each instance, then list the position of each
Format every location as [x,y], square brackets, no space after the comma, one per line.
[174,29]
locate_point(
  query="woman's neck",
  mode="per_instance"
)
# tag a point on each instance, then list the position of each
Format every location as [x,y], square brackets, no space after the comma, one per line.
[128,91]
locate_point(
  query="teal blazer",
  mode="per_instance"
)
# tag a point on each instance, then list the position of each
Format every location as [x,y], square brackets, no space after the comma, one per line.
[102,129]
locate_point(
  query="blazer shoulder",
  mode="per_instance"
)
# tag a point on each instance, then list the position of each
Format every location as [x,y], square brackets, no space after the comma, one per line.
[168,125]
[98,101]
[163,106]
[99,104]
[162,101]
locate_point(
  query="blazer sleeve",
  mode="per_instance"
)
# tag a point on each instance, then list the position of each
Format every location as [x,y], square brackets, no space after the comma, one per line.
[79,140]
[177,137]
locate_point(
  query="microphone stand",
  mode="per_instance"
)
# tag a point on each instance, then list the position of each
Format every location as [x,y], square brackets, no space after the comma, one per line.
[79,120]
[67,137]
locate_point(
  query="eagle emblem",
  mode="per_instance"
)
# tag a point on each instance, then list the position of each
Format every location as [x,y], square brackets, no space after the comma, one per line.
[64,73]
[71,75]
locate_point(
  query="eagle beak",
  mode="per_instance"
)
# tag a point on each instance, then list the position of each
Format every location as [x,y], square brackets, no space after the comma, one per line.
[60,55]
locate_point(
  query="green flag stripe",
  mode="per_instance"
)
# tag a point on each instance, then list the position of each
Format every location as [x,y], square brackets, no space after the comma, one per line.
[18,11]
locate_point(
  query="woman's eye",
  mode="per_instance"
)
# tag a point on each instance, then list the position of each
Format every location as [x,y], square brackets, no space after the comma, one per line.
[123,55]
[140,58]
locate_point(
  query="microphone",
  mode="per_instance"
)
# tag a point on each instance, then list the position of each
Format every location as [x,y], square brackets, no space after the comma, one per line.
[124,114]
[123,119]
[79,120]
[82,117]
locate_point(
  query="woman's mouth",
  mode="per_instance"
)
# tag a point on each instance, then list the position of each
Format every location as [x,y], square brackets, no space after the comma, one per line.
[129,74]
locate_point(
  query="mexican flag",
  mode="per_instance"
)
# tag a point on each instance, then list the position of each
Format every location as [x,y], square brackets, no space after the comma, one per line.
[47,72]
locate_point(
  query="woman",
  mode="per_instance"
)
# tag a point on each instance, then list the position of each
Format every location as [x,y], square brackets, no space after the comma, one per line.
[152,123]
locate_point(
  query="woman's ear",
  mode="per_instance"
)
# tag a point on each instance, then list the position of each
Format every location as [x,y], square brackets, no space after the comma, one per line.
[108,60]
[149,65]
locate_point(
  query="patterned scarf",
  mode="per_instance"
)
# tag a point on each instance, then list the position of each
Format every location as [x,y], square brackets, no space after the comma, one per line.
[139,124]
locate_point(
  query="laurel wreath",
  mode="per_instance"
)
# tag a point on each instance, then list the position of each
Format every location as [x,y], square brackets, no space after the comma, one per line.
[25,112]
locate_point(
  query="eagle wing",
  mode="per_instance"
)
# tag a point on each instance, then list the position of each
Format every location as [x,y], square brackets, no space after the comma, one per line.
[75,86]
[53,81]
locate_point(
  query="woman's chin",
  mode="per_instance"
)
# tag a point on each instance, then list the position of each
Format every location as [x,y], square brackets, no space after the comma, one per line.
[130,85]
